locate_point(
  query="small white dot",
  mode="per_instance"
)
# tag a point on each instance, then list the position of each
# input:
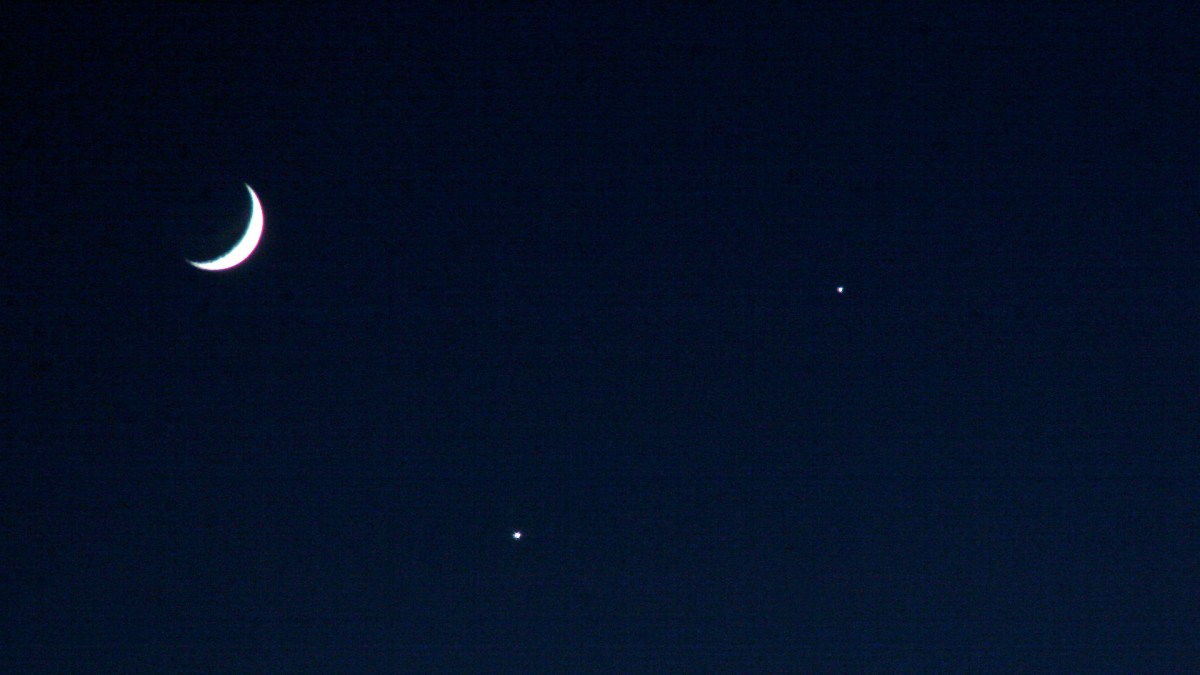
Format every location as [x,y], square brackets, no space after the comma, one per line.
[516,535]
[841,288]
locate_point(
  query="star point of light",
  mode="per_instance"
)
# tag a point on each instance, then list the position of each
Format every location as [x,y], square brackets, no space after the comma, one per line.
[517,535]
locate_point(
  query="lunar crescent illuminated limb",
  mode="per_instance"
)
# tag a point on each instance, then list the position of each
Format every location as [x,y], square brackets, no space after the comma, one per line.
[245,247]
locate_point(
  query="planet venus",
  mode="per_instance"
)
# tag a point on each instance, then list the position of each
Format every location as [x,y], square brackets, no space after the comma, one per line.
[245,246]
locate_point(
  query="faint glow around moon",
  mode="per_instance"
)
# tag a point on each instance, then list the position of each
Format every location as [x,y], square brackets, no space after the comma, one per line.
[243,248]
[516,535]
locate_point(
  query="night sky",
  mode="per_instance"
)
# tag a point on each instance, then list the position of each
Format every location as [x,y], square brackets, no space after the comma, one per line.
[573,272]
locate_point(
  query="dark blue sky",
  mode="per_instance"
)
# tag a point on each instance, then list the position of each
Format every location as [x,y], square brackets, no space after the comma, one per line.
[572,272]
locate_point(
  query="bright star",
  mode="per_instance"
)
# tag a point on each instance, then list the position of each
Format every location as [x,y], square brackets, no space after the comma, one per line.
[516,535]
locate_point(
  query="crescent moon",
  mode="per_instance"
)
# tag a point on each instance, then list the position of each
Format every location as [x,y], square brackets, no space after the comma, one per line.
[242,250]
